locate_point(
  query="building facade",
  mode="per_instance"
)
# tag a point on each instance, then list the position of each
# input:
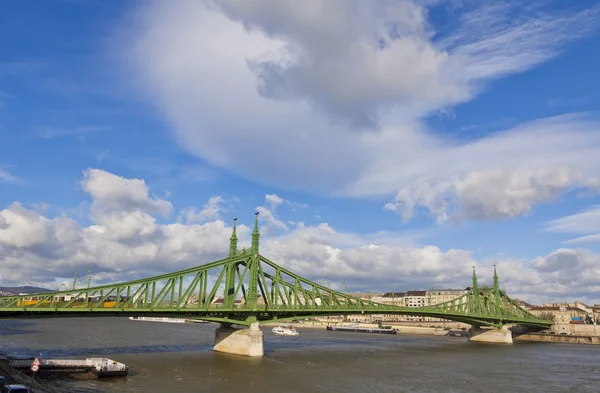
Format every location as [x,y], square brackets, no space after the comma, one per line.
[411,298]
[565,312]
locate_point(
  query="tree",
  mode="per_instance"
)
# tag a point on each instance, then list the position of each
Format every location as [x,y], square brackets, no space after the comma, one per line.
[548,315]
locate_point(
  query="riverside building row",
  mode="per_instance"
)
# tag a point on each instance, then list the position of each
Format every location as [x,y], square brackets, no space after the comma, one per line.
[422,298]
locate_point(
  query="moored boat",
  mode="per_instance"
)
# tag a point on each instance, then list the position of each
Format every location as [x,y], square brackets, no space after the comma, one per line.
[158,319]
[386,330]
[284,331]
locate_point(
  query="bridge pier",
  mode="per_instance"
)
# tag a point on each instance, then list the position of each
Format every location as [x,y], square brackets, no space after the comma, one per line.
[491,335]
[245,342]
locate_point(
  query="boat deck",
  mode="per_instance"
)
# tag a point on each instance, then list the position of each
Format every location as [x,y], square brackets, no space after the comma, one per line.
[99,366]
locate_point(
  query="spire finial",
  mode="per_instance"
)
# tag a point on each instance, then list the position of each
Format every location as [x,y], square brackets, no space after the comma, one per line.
[233,233]
[255,233]
[233,240]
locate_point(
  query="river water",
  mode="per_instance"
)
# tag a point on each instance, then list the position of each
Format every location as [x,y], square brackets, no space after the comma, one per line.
[174,358]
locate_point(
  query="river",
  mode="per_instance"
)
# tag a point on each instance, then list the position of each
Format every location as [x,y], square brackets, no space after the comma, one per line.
[174,358]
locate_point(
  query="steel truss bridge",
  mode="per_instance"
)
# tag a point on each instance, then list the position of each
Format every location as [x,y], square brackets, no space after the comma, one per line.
[254,289]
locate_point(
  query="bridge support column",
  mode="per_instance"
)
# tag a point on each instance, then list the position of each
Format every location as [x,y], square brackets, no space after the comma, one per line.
[491,335]
[246,342]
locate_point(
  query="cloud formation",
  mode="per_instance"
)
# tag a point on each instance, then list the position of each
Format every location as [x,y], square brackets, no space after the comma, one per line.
[494,194]
[6,176]
[585,223]
[336,93]
[327,44]
[114,193]
[125,242]
[210,211]
[268,213]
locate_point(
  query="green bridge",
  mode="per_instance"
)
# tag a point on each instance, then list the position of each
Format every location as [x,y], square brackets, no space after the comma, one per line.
[255,291]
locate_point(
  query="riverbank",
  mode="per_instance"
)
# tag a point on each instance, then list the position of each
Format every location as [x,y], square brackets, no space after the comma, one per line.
[400,329]
[16,377]
[557,338]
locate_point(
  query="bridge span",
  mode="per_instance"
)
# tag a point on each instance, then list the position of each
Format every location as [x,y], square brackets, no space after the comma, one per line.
[258,291]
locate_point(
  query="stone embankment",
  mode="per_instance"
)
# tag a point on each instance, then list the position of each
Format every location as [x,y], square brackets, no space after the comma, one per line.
[557,338]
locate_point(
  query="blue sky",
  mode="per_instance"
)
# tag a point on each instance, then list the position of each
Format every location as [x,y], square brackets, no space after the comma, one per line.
[469,130]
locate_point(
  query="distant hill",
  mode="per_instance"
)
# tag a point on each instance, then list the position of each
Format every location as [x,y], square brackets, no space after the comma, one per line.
[26,289]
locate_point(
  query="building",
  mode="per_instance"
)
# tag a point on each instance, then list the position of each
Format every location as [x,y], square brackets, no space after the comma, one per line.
[439,296]
[564,312]
[411,298]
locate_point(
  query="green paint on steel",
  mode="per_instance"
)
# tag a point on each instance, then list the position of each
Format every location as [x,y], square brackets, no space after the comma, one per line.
[253,288]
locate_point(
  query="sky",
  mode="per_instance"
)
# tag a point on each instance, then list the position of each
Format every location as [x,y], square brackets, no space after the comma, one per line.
[387,145]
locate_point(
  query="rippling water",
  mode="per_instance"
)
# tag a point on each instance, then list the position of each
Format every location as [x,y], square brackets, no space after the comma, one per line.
[178,358]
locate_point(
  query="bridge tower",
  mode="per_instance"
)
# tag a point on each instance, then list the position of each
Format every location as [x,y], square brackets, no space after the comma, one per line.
[229,291]
[489,335]
[248,341]
[496,291]
[475,291]
[252,295]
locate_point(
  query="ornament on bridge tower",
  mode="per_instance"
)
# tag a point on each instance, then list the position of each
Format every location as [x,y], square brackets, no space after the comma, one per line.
[496,288]
[89,278]
[475,288]
[255,234]
[75,278]
[233,240]
[495,278]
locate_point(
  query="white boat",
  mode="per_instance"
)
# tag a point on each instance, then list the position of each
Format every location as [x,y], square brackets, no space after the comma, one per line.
[158,319]
[284,331]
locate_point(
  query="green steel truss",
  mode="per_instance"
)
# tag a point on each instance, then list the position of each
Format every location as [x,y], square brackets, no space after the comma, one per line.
[246,287]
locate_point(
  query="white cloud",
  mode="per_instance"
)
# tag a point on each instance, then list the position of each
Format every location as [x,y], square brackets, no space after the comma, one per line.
[490,194]
[585,223]
[495,42]
[6,176]
[123,242]
[211,211]
[320,251]
[289,82]
[80,132]
[274,200]
[114,193]
[326,44]
[572,273]
[129,243]
[268,213]
[26,229]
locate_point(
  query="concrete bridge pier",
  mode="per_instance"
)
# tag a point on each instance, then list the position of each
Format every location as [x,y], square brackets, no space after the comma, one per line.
[245,342]
[491,335]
